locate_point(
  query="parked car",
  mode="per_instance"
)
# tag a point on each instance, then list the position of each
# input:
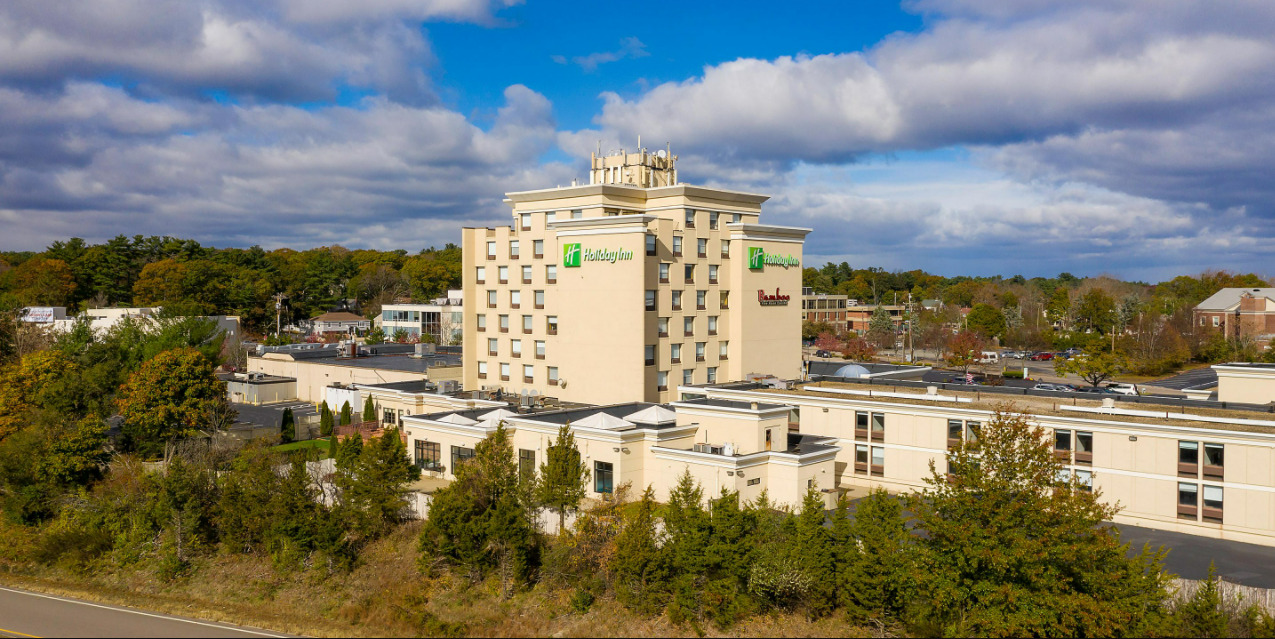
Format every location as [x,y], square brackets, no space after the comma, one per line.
[822,353]
[1121,388]
[1057,388]
[1042,356]
[1092,390]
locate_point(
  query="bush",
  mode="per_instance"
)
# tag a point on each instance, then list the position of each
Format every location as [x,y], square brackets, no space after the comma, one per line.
[1013,373]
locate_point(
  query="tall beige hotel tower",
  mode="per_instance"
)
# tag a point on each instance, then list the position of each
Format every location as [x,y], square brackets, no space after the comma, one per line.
[623,289]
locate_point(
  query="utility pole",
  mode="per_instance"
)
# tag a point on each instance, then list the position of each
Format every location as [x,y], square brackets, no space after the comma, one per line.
[278,311]
[911,339]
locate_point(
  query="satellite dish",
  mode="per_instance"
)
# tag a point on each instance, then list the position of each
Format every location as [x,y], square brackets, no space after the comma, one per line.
[660,154]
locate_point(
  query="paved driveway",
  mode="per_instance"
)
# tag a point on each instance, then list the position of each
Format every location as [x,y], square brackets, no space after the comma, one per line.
[1198,378]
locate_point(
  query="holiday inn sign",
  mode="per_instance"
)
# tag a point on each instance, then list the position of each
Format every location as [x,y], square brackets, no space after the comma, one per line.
[573,254]
[758,258]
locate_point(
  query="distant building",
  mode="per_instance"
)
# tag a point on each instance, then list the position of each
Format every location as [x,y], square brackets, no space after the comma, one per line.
[443,319]
[339,322]
[102,320]
[316,367]
[821,307]
[859,317]
[43,314]
[1240,313]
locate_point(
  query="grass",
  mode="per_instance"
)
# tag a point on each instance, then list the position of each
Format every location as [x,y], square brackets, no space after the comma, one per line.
[321,444]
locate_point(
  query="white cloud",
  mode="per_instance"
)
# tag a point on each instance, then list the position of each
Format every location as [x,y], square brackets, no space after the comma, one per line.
[629,48]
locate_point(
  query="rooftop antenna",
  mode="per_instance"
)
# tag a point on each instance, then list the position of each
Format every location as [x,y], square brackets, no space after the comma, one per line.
[639,143]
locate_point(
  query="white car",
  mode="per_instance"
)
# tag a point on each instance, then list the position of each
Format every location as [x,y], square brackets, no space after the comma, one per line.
[1123,388]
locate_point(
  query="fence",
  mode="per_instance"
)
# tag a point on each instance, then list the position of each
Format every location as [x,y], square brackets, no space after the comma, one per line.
[1234,596]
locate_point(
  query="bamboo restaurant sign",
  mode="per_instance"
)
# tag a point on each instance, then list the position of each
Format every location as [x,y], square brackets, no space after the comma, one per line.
[766,299]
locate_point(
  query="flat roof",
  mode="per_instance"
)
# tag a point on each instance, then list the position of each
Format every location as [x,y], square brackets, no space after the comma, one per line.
[409,386]
[726,403]
[271,414]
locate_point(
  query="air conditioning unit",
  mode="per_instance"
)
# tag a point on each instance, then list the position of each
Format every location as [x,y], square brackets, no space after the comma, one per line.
[562,383]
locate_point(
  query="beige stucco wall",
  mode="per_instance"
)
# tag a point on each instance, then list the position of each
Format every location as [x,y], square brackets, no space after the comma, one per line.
[313,377]
[1248,385]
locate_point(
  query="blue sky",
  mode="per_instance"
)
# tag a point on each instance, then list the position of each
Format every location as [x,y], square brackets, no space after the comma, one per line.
[1128,137]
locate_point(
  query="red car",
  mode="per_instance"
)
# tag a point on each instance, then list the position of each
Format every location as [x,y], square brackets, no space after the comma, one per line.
[1041,357]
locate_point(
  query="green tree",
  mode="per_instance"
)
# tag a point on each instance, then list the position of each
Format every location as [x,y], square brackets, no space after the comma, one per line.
[986,320]
[1094,368]
[1008,550]
[816,554]
[563,477]
[325,420]
[375,336]
[348,452]
[43,282]
[347,414]
[287,427]
[1096,311]
[171,397]
[369,410]
[1202,614]
[881,328]
[373,484]
[640,572]
[881,561]
[964,350]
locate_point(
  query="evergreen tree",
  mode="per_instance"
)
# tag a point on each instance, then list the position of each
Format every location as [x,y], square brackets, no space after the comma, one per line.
[373,482]
[881,565]
[287,427]
[640,570]
[325,420]
[563,477]
[815,554]
[369,410]
[349,451]
[1202,614]
[881,328]
[333,446]
[687,531]
[347,415]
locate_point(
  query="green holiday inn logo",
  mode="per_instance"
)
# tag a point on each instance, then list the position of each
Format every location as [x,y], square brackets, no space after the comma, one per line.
[570,255]
[758,259]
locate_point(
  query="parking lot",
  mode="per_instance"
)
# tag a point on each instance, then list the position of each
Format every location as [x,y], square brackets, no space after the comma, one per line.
[1198,378]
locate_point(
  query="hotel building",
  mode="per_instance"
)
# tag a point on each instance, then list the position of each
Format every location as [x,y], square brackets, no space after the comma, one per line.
[622,289]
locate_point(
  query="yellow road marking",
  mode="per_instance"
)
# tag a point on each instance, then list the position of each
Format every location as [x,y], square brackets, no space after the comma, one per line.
[20,634]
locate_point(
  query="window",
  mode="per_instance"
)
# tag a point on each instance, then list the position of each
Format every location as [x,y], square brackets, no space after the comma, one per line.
[1189,458]
[551,273]
[526,274]
[712,374]
[577,214]
[712,273]
[513,249]
[677,300]
[526,462]
[428,455]
[504,372]
[481,274]
[971,431]
[650,301]
[491,299]
[878,461]
[725,248]
[492,345]
[1213,504]
[878,427]
[712,324]
[504,323]
[1213,462]
[675,353]
[502,274]
[701,300]
[661,327]
[1084,448]
[701,247]
[955,431]
[482,322]
[1062,445]
[688,326]
[861,459]
[860,425]
[663,273]
[525,221]
[661,381]
[1084,478]
[699,351]
[538,248]
[1215,320]
[736,218]
[724,301]
[491,250]
[540,349]
[723,350]
[527,321]
[540,299]
[551,323]
[648,354]
[602,476]
[677,246]
[482,370]
[688,377]
[688,273]
[515,347]
[515,299]
[650,245]
[1188,500]
[690,218]
[712,220]
[754,481]
[528,373]
[387,416]
[553,375]
[460,455]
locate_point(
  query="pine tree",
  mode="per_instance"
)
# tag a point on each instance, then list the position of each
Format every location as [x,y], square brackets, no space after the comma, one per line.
[815,554]
[639,567]
[563,477]
[369,410]
[325,420]
[287,427]
[347,415]
[1202,614]
[882,568]
[348,452]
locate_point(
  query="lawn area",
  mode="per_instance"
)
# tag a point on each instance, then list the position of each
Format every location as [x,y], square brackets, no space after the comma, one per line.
[321,444]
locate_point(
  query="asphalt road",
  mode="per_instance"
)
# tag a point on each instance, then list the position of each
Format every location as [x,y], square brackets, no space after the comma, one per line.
[1190,555]
[30,614]
[1198,378]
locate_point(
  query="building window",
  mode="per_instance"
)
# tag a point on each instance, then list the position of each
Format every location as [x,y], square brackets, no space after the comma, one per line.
[460,455]
[955,430]
[712,221]
[525,221]
[878,427]
[661,381]
[712,273]
[515,347]
[688,326]
[526,274]
[526,463]
[1213,458]
[861,459]
[491,250]
[677,246]
[577,214]
[754,481]
[482,370]
[1062,445]
[515,299]
[602,477]
[540,349]
[737,218]
[538,248]
[690,218]
[661,327]
[860,425]
[677,300]
[712,324]
[712,374]
[504,323]
[528,373]
[675,353]
[492,345]
[726,248]
[1084,479]
[1212,504]
[491,299]
[663,273]
[878,461]
[504,372]
[482,322]
[701,246]
[650,301]
[699,351]
[701,300]
[724,300]
[482,274]
[428,455]
[688,377]
[387,416]
[513,249]
[1188,500]
[650,245]
[1189,459]
[1084,447]
[723,350]
[553,375]
[551,273]
[502,274]
[1215,321]
[551,324]
[527,322]
[649,354]
[971,432]
[540,299]
[689,273]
